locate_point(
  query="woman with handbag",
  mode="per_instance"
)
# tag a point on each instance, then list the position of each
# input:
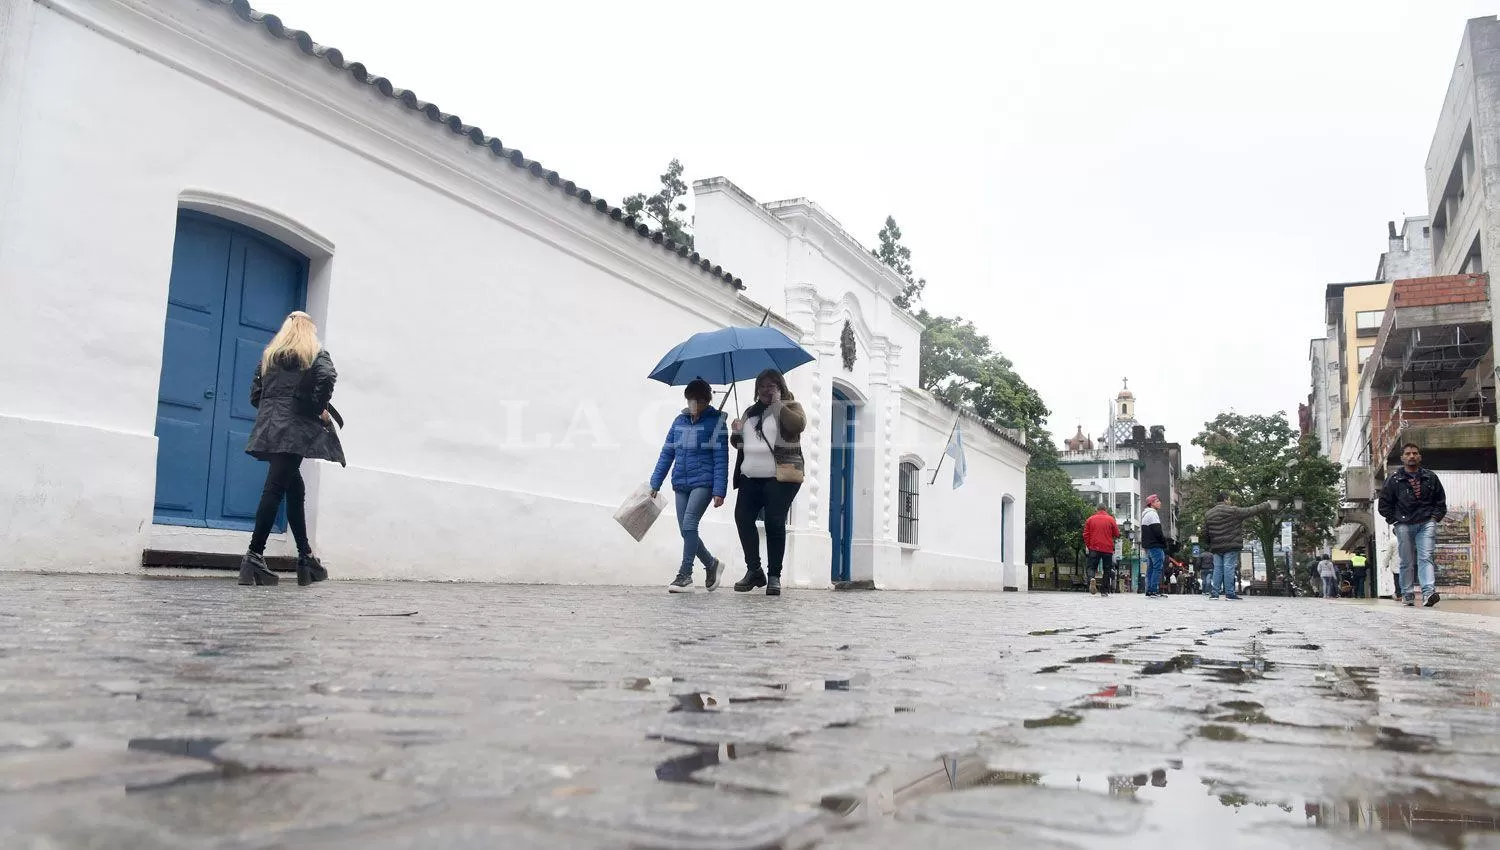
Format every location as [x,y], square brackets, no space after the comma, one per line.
[291,392]
[768,473]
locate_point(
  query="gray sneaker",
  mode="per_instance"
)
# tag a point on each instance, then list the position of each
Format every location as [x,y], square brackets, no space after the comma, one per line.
[681,584]
[714,570]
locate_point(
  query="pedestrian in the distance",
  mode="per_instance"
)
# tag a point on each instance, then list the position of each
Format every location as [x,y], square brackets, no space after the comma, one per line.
[1154,541]
[768,472]
[696,452]
[1100,532]
[1224,532]
[1413,502]
[291,392]
[1330,575]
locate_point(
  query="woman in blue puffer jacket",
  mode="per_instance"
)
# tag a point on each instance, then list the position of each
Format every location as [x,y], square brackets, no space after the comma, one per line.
[697,452]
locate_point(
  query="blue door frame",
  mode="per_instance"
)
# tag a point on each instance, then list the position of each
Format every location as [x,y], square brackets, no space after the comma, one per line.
[230,290]
[841,486]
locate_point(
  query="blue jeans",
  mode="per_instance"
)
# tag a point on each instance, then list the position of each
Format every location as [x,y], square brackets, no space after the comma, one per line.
[1226,566]
[691,506]
[1414,546]
[1158,559]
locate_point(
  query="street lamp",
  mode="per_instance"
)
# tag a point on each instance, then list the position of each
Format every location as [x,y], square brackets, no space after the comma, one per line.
[1128,527]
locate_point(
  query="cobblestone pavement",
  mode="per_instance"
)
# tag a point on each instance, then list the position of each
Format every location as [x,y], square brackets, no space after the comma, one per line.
[155,713]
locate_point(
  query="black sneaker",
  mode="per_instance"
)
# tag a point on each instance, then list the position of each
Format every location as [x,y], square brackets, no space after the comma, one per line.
[1410,601]
[681,584]
[1432,599]
[714,570]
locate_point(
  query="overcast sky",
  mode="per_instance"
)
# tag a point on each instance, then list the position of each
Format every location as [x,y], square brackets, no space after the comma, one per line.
[1108,189]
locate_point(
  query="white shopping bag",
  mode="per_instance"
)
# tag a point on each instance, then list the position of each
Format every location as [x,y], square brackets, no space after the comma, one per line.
[640,511]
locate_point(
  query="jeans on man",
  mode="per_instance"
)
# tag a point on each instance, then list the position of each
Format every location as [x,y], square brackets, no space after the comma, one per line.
[691,506]
[1414,542]
[1158,560]
[1226,569]
[1104,562]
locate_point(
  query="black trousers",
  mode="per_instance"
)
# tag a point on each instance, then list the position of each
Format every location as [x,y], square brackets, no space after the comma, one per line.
[1105,563]
[284,478]
[775,497]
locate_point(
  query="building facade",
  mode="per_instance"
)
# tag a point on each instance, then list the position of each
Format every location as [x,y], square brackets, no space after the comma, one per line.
[492,323]
[1128,460]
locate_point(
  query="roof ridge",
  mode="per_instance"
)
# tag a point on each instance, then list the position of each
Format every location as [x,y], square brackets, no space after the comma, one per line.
[273,25]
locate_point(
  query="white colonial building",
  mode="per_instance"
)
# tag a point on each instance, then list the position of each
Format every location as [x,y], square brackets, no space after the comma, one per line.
[176,175]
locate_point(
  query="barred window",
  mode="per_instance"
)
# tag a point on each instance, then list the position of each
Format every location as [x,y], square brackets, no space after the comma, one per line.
[906,529]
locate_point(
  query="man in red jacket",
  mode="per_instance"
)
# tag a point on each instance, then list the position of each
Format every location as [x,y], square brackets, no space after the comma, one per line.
[1099,534]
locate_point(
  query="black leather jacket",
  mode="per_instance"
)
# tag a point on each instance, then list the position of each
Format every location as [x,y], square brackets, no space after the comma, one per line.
[1400,504]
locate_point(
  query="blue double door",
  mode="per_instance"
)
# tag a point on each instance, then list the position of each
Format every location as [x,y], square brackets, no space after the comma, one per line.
[231,289]
[841,485]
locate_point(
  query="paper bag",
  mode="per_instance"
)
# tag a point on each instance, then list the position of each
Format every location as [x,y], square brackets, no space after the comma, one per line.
[640,511]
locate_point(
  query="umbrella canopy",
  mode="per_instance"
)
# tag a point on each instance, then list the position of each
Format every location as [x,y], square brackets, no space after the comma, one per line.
[729,355]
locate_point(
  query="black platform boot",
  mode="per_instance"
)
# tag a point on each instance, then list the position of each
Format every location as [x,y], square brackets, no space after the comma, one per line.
[773,585]
[253,570]
[309,570]
[754,577]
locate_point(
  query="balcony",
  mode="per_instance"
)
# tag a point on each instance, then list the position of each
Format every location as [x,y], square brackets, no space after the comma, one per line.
[1424,382]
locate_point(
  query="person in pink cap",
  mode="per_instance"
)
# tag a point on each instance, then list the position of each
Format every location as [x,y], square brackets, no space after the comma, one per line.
[1154,541]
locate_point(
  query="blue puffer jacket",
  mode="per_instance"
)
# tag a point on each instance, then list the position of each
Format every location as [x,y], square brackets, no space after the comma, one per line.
[696,452]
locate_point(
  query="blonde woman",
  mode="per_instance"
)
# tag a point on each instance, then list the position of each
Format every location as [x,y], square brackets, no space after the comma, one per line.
[292,387]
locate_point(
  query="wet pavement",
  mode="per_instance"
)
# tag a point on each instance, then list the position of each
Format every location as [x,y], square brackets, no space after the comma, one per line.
[155,713]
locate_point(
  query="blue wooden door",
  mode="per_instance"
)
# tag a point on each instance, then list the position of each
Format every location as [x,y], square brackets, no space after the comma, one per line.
[841,486]
[230,290]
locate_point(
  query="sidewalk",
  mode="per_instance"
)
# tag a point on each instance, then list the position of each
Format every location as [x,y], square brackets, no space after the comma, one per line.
[161,713]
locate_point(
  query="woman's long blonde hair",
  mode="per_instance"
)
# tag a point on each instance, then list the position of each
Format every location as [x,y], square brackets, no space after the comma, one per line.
[298,336]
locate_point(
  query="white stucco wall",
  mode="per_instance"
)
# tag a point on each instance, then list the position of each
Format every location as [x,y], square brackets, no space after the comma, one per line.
[492,334]
[493,427]
[960,538]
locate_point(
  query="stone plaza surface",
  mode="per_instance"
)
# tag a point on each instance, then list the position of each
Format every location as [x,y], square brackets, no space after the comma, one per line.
[177,713]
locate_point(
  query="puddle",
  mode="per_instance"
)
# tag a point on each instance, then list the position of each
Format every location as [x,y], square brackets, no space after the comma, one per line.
[682,768]
[1045,632]
[1053,669]
[214,768]
[1221,733]
[1176,664]
[1107,658]
[1310,647]
[1062,718]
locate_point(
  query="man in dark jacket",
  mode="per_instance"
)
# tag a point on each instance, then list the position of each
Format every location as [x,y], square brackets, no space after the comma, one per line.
[1224,534]
[1413,502]
[1154,541]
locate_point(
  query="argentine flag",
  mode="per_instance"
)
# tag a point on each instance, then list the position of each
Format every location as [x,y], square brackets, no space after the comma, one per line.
[956,451]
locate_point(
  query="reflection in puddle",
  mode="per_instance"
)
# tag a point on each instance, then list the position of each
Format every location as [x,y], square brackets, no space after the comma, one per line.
[214,767]
[682,768]
[1093,659]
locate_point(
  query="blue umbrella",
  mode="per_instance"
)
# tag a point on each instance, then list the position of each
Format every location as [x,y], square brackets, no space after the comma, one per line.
[729,355]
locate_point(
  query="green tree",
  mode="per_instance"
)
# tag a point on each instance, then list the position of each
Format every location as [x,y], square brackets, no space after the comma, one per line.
[1055,513]
[664,208]
[898,257]
[959,366]
[1254,458]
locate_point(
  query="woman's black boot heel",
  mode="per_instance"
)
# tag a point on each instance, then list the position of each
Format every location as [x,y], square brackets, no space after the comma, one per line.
[253,570]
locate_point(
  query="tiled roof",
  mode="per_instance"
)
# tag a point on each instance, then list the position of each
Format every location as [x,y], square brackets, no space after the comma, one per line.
[474,135]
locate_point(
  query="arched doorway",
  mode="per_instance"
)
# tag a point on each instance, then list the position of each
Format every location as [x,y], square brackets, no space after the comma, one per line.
[231,287]
[841,484]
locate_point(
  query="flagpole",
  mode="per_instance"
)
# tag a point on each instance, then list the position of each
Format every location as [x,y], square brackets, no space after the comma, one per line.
[946,443]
